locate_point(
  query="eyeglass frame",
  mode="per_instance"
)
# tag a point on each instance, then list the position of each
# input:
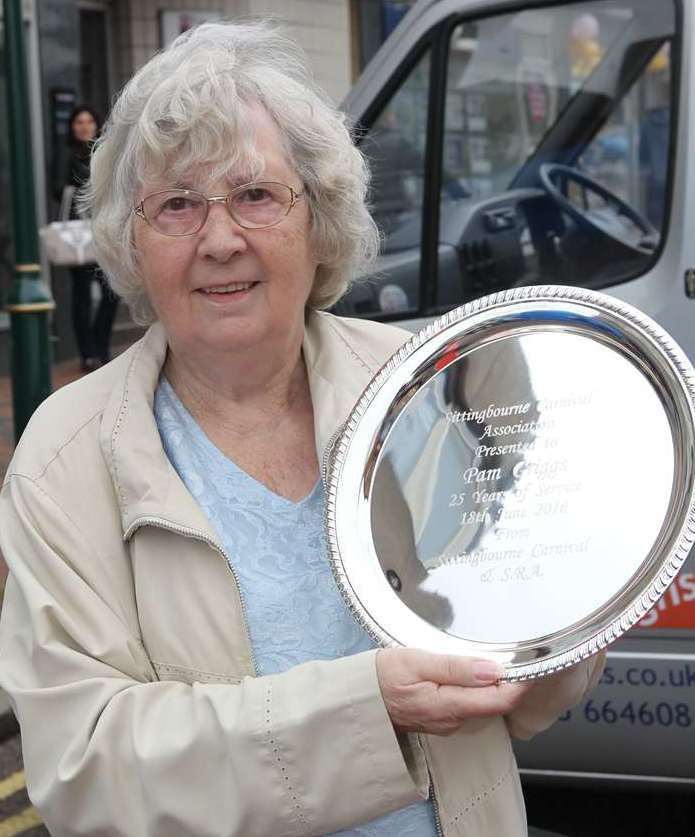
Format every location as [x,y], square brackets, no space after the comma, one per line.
[139,209]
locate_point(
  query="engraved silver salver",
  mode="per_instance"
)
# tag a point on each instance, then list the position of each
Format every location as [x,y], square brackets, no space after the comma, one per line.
[518,481]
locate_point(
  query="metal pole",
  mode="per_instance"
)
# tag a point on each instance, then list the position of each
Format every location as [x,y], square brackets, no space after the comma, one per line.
[29,301]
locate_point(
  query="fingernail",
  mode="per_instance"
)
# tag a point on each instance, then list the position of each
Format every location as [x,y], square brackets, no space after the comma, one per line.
[485,671]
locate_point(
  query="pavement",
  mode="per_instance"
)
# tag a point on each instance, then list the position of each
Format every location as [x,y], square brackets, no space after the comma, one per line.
[17,814]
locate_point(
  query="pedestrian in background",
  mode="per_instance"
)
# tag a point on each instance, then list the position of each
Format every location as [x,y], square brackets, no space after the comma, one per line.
[92,329]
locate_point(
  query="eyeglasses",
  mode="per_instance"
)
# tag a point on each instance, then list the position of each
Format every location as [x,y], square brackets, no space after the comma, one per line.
[184,212]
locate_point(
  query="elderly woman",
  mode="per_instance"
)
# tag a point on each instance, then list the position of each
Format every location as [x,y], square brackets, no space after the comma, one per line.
[178,655]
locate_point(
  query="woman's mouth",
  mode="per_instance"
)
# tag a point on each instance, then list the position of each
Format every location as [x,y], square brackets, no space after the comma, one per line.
[231,288]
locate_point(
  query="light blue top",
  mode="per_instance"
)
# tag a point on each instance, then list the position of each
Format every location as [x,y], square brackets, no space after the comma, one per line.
[294,610]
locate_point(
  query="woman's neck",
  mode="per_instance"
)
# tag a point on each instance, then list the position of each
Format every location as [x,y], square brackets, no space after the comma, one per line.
[239,395]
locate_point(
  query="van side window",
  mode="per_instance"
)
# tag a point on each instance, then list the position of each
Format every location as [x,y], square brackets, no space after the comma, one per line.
[556,147]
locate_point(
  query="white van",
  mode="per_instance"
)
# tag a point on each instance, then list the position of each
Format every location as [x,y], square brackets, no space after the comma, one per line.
[521,143]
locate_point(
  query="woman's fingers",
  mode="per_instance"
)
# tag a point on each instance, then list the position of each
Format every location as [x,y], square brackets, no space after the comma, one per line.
[483,702]
[436,693]
[412,664]
[448,669]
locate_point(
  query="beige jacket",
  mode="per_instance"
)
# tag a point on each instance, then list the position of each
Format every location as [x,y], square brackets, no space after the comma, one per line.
[124,648]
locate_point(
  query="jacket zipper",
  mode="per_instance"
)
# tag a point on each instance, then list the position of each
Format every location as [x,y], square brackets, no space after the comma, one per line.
[432,795]
[160,523]
[435,807]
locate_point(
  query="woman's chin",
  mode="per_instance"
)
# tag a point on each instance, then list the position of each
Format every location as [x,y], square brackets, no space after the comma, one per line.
[238,335]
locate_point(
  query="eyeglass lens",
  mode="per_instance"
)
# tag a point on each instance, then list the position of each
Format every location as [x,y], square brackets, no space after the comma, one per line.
[182,212]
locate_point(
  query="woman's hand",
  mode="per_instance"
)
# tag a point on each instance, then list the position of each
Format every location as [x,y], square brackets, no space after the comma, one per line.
[436,693]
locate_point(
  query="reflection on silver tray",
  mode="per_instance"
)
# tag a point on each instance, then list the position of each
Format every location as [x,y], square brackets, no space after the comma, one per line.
[518,481]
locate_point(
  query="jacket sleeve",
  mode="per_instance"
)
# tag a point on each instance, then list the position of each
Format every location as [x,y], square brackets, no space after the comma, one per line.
[550,696]
[109,749]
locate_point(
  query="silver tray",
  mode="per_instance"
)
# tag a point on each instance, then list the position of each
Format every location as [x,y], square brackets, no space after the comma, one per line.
[518,481]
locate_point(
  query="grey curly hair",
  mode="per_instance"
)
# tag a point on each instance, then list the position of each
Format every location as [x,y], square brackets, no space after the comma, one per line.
[189,106]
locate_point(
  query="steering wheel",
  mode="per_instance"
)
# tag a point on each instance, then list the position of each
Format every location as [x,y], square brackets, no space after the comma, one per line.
[615,219]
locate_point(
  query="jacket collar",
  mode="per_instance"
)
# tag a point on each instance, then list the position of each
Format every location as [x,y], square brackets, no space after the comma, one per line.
[148,489]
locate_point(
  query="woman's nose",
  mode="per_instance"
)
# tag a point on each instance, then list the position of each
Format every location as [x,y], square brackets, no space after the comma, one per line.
[221,237]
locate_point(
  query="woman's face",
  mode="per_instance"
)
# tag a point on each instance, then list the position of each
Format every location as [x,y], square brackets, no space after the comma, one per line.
[84,128]
[266,274]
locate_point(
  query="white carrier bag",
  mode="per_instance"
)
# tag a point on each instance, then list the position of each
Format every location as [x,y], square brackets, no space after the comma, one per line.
[68,243]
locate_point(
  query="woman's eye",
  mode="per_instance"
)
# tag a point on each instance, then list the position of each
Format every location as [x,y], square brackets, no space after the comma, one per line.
[256,195]
[177,204]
